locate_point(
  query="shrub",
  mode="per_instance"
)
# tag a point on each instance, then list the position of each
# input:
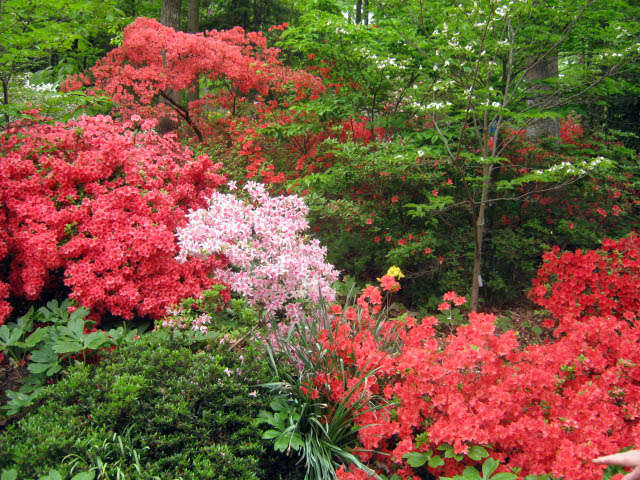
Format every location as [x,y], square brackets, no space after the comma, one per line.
[99,201]
[273,265]
[602,282]
[186,407]
[543,409]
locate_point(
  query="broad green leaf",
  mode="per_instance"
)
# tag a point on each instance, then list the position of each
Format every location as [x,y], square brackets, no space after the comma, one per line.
[489,466]
[9,474]
[282,443]
[35,338]
[95,340]
[476,452]
[417,459]
[504,476]
[76,327]
[471,473]
[84,476]
[68,346]
[269,434]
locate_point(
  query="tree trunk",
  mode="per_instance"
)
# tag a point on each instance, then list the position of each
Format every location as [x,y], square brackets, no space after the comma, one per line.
[365,12]
[358,12]
[193,26]
[542,96]
[478,233]
[193,16]
[5,95]
[170,13]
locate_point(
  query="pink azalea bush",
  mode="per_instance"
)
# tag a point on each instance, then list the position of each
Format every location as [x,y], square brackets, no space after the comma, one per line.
[271,261]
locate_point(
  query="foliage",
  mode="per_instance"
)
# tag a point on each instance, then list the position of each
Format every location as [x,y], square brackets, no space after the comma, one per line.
[272,264]
[25,95]
[317,423]
[184,405]
[99,200]
[211,311]
[475,387]
[53,38]
[445,93]
[50,338]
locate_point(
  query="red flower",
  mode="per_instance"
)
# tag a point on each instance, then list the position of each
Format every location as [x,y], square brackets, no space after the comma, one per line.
[389,284]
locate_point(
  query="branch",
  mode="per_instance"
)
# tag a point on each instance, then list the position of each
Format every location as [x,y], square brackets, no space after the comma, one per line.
[184,113]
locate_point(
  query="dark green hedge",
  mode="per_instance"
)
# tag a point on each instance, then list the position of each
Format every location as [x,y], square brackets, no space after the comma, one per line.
[166,406]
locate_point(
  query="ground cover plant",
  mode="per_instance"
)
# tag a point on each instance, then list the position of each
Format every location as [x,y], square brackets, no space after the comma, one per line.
[184,405]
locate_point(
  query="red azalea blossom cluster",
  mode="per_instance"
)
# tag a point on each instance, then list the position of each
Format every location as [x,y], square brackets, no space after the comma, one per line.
[604,282]
[99,201]
[249,89]
[545,408]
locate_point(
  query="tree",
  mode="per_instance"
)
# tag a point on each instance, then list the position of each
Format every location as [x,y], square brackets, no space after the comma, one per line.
[452,88]
[56,37]
[171,13]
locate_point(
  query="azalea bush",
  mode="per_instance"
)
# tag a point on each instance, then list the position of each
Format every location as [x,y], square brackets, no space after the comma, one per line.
[576,285]
[475,386]
[244,88]
[272,263]
[94,203]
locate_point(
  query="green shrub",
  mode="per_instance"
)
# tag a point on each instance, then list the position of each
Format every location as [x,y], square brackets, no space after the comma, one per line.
[184,405]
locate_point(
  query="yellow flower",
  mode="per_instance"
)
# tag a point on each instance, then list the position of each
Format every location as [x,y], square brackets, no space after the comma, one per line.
[395,272]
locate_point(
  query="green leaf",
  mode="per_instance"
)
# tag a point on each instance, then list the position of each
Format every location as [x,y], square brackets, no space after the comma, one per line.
[68,346]
[53,475]
[5,334]
[95,340]
[296,442]
[84,476]
[504,476]
[9,474]
[35,338]
[269,434]
[476,452]
[436,461]
[489,466]
[282,443]
[79,314]
[471,473]
[417,459]
[76,327]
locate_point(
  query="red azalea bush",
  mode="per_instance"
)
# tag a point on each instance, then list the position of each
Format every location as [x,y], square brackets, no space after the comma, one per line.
[99,201]
[603,282]
[245,89]
[547,409]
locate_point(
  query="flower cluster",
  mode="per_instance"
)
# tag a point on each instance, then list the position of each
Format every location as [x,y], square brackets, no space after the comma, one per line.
[99,201]
[576,285]
[272,262]
[546,409]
